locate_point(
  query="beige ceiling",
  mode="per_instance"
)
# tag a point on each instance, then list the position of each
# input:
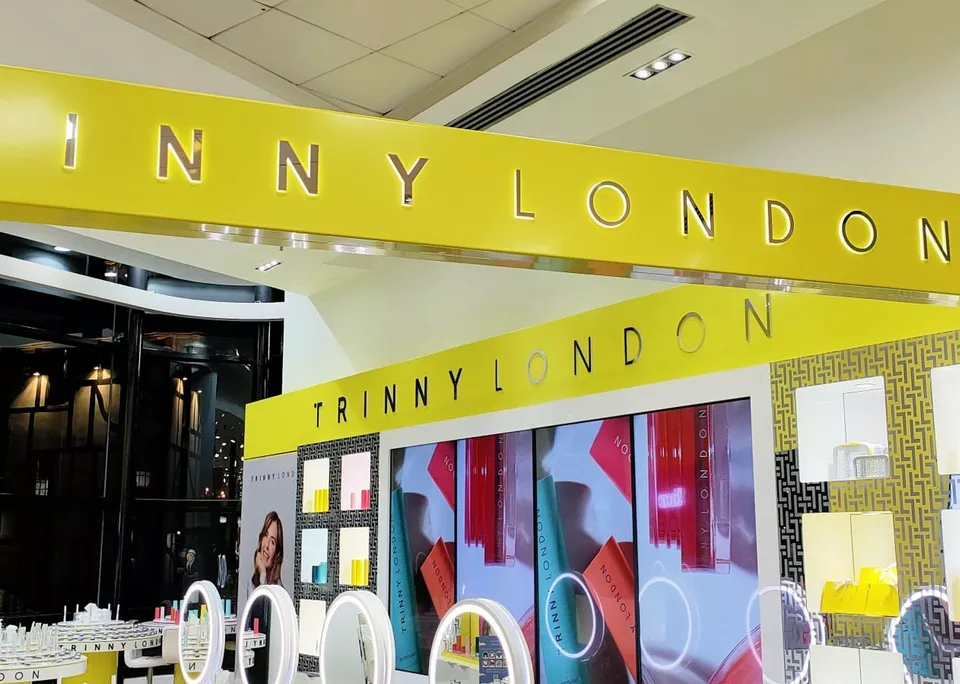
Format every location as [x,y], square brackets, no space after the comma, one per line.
[360,55]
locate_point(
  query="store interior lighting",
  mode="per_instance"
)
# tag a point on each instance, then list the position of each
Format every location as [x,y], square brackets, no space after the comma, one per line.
[663,63]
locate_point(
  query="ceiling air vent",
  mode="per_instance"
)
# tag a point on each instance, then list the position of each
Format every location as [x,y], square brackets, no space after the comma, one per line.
[643,28]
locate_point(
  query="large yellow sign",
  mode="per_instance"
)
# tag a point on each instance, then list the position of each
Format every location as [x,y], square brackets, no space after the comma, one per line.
[94,153]
[683,332]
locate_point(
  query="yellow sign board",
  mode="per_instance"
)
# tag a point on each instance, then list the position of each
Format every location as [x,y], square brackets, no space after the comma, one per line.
[682,332]
[87,152]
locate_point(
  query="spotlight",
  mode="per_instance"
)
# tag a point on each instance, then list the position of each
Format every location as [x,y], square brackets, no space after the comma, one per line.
[659,65]
[62,250]
[268,266]
[36,374]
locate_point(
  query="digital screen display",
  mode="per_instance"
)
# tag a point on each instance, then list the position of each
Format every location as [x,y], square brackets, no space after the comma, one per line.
[624,547]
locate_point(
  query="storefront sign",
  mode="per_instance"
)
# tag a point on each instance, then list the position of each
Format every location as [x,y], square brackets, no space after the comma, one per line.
[682,332]
[85,152]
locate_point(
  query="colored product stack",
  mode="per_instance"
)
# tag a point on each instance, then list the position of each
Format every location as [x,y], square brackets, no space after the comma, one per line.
[359,501]
[359,571]
[318,573]
[321,500]
[490,492]
[689,465]
[467,630]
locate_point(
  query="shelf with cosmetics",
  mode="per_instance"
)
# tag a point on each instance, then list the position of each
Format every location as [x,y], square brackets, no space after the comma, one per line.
[336,533]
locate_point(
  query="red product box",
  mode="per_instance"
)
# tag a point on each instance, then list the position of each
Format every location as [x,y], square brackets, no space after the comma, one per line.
[611,581]
[441,469]
[437,571]
[611,450]
[365,499]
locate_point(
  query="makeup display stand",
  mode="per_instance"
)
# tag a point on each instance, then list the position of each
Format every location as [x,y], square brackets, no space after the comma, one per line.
[35,655]
[93,633]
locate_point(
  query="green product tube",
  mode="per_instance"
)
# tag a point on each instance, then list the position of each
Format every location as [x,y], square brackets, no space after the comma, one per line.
[558,616]
[403,614]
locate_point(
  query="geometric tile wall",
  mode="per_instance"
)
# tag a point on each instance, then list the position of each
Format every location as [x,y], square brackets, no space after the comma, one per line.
[334,521]
[914,494]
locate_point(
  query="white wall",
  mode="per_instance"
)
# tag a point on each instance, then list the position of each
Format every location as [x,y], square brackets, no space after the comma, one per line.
[874,98]
[76,37]
[407,308]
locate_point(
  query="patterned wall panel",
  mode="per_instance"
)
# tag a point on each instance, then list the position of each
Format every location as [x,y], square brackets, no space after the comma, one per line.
[335,521]
[914,494]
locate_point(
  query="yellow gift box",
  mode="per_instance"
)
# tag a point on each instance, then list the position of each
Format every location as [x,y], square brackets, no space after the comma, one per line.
[875,594]
[883,600]
[844,597]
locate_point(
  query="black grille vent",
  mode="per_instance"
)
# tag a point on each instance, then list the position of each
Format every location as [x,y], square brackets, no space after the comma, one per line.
[643,28]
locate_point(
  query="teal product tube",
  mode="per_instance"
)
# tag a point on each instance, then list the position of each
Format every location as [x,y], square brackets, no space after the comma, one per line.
[403,611]
[558,616]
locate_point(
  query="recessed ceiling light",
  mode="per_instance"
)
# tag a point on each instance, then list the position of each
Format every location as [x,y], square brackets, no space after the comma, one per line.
[62,250]
[659,65]
[267,266]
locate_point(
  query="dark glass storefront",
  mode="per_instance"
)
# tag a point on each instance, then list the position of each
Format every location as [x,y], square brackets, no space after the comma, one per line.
[121,450]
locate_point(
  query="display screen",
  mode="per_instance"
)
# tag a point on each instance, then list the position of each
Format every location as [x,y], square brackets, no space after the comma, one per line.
[697,558]
[585,553]
[495,523]
[624,547]
[422,537]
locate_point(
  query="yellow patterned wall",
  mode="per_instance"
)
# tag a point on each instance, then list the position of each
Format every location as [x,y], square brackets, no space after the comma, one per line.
[915,494]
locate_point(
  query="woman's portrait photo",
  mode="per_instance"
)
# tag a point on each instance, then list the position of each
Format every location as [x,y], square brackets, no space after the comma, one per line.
[268,555]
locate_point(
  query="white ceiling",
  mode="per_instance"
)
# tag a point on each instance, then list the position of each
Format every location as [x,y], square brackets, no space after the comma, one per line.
[360,55]
[724,36]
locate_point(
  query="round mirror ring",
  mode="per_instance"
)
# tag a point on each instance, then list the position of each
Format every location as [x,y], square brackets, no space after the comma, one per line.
[283,609]
[505,628]
[217,640]
[375,613]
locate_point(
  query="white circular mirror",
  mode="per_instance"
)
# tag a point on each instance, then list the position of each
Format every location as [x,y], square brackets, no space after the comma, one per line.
[202,637]
[479,636]
[269,612]
[356,642]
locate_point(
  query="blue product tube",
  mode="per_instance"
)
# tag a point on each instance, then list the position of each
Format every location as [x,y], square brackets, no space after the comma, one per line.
[403,612]
[558,628]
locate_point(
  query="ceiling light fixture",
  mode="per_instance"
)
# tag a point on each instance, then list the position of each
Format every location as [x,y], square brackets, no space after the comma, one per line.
[659,65]
[268,266]
[62,250]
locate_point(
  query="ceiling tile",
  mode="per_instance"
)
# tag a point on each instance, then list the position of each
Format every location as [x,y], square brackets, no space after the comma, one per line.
[287,46]
[208,17]
[373,23]
[513,13]
[376,82]
[467,4]
[444,47]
